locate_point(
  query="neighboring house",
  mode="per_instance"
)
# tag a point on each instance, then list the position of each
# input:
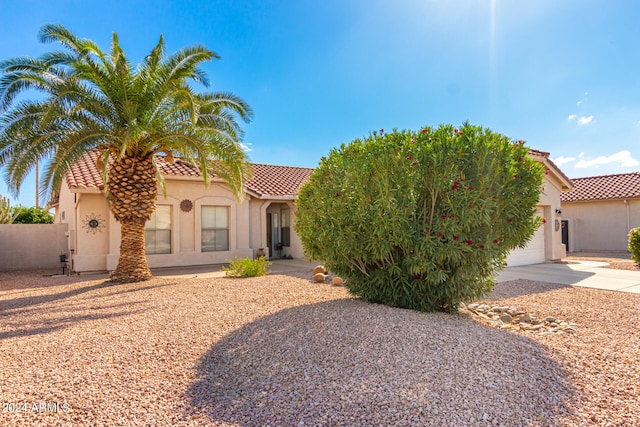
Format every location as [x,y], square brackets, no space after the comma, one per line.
[198,225]
[600,210]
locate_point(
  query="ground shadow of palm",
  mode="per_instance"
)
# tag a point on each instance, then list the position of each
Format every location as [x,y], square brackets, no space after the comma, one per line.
[347,362]
[66,306]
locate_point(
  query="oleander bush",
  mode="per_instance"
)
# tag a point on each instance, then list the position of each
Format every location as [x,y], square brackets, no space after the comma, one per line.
[634,244]
[420,219]
[246,267]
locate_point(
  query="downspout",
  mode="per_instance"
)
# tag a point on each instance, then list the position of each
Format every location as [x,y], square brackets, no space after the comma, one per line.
[628,215]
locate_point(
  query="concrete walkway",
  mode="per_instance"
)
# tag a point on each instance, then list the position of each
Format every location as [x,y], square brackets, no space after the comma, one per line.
[588,274]
[278,266]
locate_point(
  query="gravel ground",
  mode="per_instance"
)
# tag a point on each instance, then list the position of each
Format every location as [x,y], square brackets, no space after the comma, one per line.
[282,351]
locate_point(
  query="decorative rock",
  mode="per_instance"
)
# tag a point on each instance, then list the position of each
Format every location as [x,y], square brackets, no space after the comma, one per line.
[319,269]
[506,318]
[337,281]
[319,277]
[515,318]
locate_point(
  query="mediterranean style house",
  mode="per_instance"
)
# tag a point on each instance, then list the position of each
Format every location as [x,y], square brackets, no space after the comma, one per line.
[600,211]
[198,225]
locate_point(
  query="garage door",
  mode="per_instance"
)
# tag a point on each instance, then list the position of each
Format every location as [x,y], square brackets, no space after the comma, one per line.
[534,253]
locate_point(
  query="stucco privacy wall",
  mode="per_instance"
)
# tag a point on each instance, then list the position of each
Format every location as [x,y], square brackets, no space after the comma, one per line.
[32,246]
[600,225]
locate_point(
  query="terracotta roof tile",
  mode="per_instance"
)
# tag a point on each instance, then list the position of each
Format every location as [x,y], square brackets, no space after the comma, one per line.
[274,180]
[268,180]
[606,187]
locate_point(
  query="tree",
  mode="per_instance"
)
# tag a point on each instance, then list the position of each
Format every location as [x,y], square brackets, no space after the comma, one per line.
[96,100]
[420,220]
[32,216]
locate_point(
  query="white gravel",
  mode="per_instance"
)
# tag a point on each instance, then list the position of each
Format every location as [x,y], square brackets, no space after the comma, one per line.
[283,351]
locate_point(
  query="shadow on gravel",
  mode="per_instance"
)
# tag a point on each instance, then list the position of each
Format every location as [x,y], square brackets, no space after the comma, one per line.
[52,325]
[20,304]
[347,362]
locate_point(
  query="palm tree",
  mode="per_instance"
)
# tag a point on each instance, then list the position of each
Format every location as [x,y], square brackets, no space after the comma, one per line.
[95,100]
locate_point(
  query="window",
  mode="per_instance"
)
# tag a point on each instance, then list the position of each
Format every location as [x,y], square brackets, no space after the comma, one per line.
[286,227]
[215,228]
[157,233]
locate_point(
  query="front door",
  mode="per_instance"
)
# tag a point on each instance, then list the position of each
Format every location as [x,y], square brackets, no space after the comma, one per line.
[565,233]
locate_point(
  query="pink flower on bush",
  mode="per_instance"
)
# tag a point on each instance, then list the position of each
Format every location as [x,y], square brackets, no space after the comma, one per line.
[337,194]
[544,221]
[440,234]
[481,246]
[409,157]
[456,238]
[470,207]
[413,141]
[510,220]
[443,217]
[416,277]
[495,241]
[414,164]
[424,131]
[470,242]
[382,130]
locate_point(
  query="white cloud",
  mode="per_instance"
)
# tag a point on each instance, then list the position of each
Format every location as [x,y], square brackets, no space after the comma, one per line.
[585,120]
[571,117]
[246,147]
[623,158]
[563,160]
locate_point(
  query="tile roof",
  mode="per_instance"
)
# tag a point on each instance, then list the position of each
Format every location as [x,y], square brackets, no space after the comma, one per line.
[268,180]
[567,185]
[605,187]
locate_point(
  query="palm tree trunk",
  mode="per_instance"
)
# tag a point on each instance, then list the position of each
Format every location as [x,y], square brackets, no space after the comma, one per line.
[132,263]
[133,188]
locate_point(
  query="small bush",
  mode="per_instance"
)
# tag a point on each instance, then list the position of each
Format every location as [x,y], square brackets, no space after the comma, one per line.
[245,267]
[634,244]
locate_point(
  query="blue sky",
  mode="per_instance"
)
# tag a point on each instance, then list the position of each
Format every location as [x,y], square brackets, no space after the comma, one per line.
[564,76]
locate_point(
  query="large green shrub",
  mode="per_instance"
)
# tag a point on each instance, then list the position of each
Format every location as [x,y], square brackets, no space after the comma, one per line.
[32,216]
[634,244]
[421,220]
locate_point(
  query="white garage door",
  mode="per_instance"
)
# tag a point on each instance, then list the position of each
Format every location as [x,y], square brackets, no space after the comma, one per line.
[534,253]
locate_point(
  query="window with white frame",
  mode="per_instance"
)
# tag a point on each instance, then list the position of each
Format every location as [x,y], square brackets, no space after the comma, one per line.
[157,233]
[215,228]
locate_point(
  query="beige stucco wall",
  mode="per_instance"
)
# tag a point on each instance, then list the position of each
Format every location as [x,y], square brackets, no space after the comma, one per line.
[186,238]
[552,231]
[600,225]
[32,246]
[550,201]
[98,249]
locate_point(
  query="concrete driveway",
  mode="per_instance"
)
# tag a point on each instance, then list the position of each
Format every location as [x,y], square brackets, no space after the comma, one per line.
[588,274]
